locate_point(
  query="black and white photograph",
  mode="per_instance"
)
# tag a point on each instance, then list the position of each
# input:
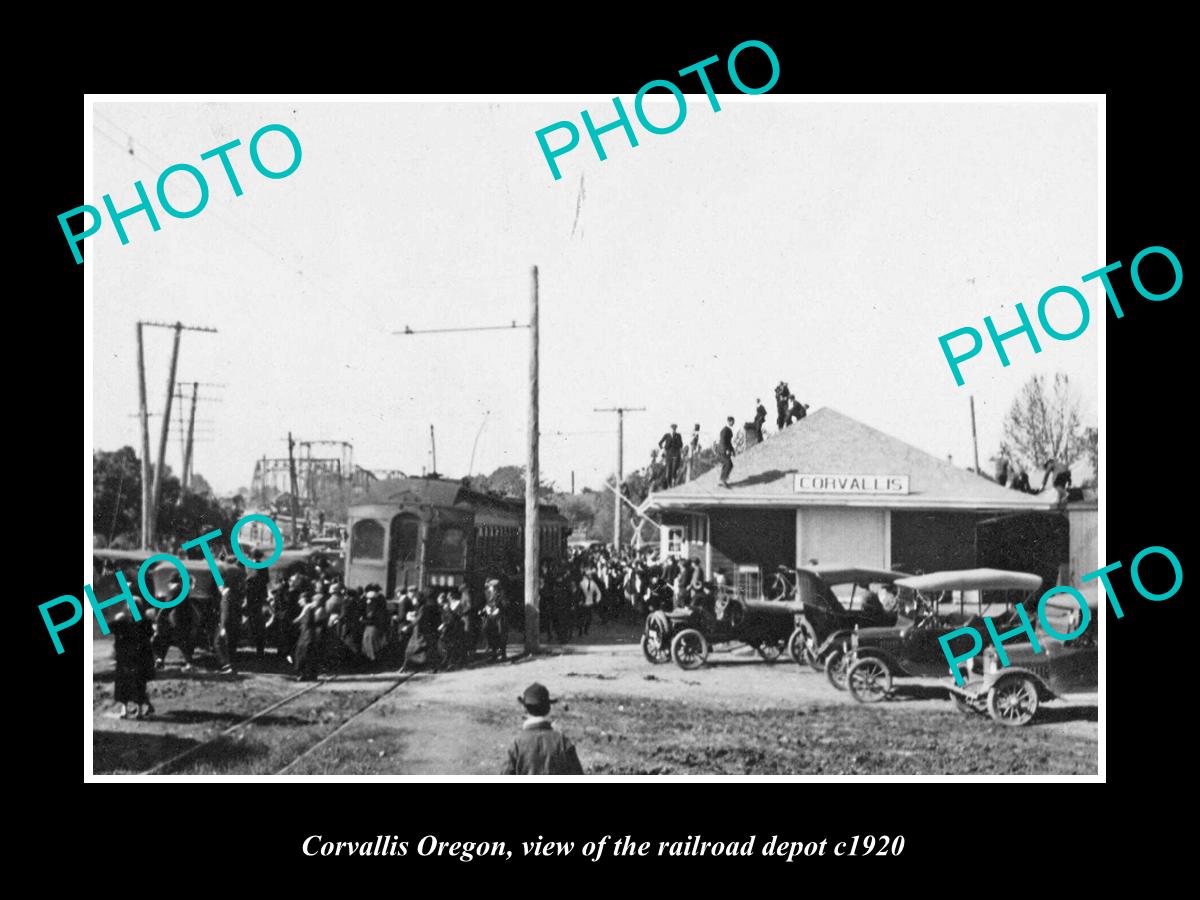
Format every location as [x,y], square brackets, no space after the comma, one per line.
[526,435]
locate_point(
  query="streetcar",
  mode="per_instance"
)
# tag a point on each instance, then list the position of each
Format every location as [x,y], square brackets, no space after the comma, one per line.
[440,534]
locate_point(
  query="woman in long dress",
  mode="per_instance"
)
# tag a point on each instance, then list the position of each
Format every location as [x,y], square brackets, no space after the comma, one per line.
[375,634]
[307,653]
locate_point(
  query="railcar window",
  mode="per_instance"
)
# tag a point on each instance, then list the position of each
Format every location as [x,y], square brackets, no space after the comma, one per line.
[450,549]
[366,540]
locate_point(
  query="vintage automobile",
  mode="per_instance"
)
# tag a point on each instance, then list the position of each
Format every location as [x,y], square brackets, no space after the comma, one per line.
[911,648]
[203,593]
[1011,694]
[825,621]
[687,635]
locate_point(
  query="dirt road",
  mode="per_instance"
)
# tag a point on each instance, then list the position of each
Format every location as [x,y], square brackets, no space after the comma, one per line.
[736,715]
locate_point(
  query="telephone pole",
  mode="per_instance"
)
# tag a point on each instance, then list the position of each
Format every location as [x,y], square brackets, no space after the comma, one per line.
[433,452]
[532,547]
[532,530]
[295,499]
[974,439]
[149,520]
[144,415]
[620,411]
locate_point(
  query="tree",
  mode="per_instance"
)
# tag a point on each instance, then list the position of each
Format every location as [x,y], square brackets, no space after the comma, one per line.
[117,503]
[507,481]
[199,485]
[1043,423]
[116,494]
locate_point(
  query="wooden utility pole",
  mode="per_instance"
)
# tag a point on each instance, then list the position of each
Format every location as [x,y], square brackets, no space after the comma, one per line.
[144,415]
[191,430]
[531,509]
[620,411]
[433,451]
[295,499]
[532,530]
[178,328]
[974,439]
[166,422]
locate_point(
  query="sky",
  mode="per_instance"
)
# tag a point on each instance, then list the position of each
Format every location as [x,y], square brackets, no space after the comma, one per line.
[825,244]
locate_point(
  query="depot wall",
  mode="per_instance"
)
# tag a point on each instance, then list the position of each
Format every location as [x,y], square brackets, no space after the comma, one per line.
[727,539]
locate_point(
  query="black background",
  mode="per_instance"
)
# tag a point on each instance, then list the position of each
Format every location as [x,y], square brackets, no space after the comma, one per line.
[254,830]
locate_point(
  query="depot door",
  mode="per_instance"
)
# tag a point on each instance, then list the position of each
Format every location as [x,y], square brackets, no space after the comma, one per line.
[404,553]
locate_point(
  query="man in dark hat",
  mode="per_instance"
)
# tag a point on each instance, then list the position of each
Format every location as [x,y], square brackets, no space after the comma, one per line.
[725,451]
[539,749]
[781,404]
[760,416]
[672,448]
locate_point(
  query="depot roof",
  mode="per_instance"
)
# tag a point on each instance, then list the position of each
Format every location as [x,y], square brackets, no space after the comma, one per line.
[830,443]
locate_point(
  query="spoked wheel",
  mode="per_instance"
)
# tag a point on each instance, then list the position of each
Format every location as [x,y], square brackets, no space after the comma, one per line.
[689,649]
[655,646]
[869,680]
[1013,701]
[800,646]
[836,664]
[771,650]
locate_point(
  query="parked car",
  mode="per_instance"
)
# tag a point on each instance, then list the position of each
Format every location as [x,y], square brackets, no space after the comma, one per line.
[1011,694]
[825,622]
[910,648]
[687,635]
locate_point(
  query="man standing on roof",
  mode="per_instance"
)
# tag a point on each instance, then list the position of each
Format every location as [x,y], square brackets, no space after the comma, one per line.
[672,447]
[797,411]
[725,451]
[760,416]
[781,404]
[693,450]
[1062,478]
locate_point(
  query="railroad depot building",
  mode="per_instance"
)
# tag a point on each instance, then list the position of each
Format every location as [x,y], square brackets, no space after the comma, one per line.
[832,489]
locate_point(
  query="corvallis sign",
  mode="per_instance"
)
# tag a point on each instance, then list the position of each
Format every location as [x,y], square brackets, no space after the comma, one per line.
[851,484]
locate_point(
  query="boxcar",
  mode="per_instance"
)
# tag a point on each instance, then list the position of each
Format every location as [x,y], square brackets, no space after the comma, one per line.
[435,533]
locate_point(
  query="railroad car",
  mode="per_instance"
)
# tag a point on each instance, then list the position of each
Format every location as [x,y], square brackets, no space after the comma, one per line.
[435,533]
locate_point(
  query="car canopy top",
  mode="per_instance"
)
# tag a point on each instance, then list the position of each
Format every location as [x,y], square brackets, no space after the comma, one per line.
[972,580]
[841,573]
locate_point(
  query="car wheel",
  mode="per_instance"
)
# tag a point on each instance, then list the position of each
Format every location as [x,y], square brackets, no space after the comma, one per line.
[1013,700]
[835,668]
[689,649]
[655,647]
[869,680]
[800,646]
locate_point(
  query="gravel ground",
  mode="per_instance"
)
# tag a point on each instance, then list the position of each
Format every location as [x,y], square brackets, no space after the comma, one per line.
[735,716]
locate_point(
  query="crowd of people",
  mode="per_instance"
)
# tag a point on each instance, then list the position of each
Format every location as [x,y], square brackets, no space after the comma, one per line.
[1010,473]
[318,625]
[672,462]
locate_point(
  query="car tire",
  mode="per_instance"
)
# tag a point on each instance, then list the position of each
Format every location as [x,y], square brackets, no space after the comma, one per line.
[1013,701]
[835,668]
[800,646]
[869,680]
[689,649]
[655,647]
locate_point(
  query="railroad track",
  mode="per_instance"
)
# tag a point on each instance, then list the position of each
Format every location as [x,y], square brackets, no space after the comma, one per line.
[169,763]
